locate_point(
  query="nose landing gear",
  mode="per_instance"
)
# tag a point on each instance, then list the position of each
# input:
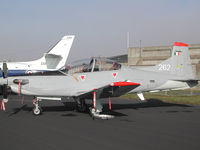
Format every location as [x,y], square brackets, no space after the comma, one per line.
[37,110]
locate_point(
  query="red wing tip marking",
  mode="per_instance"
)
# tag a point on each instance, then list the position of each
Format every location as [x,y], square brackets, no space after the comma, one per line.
[180,44]
[124,84]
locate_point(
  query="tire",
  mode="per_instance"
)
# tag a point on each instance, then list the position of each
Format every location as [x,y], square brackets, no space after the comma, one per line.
[82,108]
[37,112]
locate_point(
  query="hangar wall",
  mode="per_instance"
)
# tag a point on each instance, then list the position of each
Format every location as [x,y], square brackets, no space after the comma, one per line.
[150,56]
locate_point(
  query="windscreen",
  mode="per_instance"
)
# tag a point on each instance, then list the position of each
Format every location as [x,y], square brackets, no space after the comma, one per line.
[92,65]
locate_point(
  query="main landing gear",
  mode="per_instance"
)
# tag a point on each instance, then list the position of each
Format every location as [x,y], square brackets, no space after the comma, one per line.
[81,105]
[37,110]
[96,111]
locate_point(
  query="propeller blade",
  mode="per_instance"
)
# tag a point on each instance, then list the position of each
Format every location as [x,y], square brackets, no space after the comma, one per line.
[4,87]
[5,70]
[5,96]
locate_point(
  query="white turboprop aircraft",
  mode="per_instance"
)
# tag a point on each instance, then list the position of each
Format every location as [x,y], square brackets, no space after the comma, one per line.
[100,78]
[53,60]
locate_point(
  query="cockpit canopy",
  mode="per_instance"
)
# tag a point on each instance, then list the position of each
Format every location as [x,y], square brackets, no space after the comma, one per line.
[92,65]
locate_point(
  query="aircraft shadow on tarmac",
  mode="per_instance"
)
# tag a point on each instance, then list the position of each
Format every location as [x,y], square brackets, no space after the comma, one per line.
[27,108]
[147,104]
[65,108]
[71,106]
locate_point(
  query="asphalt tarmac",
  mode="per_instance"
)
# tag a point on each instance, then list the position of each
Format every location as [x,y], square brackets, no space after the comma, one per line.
[151,125]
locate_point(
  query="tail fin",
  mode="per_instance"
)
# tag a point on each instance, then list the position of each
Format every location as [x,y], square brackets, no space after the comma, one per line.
[57,56]
[179,63]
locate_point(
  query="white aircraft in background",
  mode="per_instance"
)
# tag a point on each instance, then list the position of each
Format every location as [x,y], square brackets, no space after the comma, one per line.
[53,60]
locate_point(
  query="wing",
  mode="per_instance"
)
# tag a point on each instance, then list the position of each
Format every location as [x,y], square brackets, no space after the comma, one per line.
[114,89]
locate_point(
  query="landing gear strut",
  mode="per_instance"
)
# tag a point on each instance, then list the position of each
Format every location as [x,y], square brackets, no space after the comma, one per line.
[81,106]
[96,111]
[37,110]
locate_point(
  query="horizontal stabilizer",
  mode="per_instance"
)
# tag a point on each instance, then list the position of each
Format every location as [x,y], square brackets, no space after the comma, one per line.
[52,56]
[52,60]
[187,80]
[190,82]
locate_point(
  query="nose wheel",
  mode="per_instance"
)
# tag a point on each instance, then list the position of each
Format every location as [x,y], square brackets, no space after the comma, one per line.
[37,110]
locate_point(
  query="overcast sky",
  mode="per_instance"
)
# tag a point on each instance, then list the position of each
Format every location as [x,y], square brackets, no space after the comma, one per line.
[29,28]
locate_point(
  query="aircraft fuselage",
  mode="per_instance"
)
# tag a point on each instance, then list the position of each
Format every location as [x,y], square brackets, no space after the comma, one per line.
[81,83]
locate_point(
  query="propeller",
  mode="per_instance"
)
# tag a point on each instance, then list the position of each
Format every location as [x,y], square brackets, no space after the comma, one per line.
[6,89]
[5,70]
[4,86]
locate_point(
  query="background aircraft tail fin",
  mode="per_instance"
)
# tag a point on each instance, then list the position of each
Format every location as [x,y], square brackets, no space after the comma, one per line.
[57,56]
[179,63]
[59,53]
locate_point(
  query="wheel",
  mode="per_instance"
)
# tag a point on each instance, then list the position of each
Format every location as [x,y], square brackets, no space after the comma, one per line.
[65,104]
[37,112]
[82,107]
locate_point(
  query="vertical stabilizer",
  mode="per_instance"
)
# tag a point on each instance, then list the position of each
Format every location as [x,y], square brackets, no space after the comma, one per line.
[57,56]
[179,63]
[59,53]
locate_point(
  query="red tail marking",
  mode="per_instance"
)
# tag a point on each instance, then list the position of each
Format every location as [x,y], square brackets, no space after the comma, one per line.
[180,44]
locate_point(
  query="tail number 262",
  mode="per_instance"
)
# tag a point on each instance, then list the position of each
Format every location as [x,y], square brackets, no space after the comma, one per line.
[164,67]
